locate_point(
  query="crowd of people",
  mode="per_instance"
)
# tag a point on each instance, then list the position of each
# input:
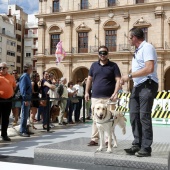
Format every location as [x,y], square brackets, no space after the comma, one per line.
[28,95]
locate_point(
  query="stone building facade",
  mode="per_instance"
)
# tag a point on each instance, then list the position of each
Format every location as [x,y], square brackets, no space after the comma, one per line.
[83,25]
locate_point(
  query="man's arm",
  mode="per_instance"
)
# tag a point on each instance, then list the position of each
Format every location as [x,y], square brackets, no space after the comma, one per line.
[149,68]
[117,87]
[88,87]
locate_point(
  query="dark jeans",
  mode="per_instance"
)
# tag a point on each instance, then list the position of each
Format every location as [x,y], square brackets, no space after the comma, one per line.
[73,107]
[24,116]
[141,102]
[5,110]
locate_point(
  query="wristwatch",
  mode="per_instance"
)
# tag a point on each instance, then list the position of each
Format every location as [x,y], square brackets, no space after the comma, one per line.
[130,76]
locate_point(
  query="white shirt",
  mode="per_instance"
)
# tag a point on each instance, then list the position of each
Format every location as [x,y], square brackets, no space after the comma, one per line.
[80,89]
[143,53]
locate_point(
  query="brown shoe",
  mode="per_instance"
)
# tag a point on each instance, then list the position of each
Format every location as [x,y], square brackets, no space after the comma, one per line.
[92,143]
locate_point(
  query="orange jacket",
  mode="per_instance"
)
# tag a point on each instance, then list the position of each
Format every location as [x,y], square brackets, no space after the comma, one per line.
[7,85]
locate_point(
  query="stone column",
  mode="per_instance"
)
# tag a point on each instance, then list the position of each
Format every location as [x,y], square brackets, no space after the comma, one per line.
[68,34]
[159,13]
[41,36]
[160,72]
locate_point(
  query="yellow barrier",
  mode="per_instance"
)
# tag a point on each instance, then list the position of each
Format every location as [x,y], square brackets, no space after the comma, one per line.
[160,109]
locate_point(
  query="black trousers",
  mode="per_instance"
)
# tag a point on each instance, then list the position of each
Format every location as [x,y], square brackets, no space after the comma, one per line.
[140,105]
[5,110]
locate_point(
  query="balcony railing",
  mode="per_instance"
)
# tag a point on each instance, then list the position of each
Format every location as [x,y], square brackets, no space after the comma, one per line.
[31,35]
[83,6]
[167,45]
[126,47]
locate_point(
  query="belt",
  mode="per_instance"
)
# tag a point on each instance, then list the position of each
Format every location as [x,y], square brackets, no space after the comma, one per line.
[148,82]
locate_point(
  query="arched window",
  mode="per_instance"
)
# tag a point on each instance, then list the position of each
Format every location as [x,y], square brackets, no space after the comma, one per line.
[56,6]
[110,28]
[83,42]
[54,32]
[55,38]
[110,39]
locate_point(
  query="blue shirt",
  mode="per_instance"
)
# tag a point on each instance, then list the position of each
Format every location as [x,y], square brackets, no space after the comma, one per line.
[145,52]
[25,86]
[103,79]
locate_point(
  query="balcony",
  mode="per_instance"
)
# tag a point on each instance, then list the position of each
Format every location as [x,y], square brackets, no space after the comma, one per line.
[167,45]
[84,6]
[126,47]
[31,36]
[34,46]
[18,32]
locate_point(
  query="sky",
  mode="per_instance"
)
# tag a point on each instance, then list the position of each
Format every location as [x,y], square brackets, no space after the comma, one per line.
[29,6]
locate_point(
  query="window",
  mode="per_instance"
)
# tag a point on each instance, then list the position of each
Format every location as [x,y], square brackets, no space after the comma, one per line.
[56,6]
[145,30]
[83,42]
[18,70]
[3,30]
[110,39]
[0,39]
[111,2]
[18,59]
[55,38]
[0,50]
[10,53]
[28,55]
[140,1]
[84,4]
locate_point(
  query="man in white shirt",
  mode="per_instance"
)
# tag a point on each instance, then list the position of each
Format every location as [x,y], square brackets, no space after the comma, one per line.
[80,94]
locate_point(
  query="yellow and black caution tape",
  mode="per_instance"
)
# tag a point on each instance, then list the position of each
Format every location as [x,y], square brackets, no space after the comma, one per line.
[162,102]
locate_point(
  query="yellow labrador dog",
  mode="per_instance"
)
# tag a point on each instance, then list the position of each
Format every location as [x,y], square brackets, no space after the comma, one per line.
[106,122]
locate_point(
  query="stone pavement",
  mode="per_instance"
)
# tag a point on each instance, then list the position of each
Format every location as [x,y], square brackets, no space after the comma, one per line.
[23,148]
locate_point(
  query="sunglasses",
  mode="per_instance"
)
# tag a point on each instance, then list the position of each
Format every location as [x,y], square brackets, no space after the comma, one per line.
[14,73]
[103,53]
[3,68]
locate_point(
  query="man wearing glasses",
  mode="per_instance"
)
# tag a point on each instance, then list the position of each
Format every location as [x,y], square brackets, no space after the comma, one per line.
[144,75]
[7,86]
[104,77]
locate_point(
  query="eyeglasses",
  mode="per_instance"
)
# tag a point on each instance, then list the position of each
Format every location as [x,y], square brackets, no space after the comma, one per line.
[103,53]
[14,73]
[3,68]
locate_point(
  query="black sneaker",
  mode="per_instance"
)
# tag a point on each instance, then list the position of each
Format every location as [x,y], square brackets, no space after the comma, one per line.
[132,150]
[6,138]
[142,153]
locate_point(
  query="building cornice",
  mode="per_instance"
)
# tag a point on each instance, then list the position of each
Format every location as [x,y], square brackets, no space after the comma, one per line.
[114,8]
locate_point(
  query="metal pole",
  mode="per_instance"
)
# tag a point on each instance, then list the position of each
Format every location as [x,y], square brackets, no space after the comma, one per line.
[48,114]
[83,110]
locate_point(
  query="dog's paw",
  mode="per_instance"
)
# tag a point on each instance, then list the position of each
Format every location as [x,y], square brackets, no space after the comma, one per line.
[109,151]
[99,149]
[115,146]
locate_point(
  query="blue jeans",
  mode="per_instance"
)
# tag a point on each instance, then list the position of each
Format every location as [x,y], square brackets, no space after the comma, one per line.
[24,117]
